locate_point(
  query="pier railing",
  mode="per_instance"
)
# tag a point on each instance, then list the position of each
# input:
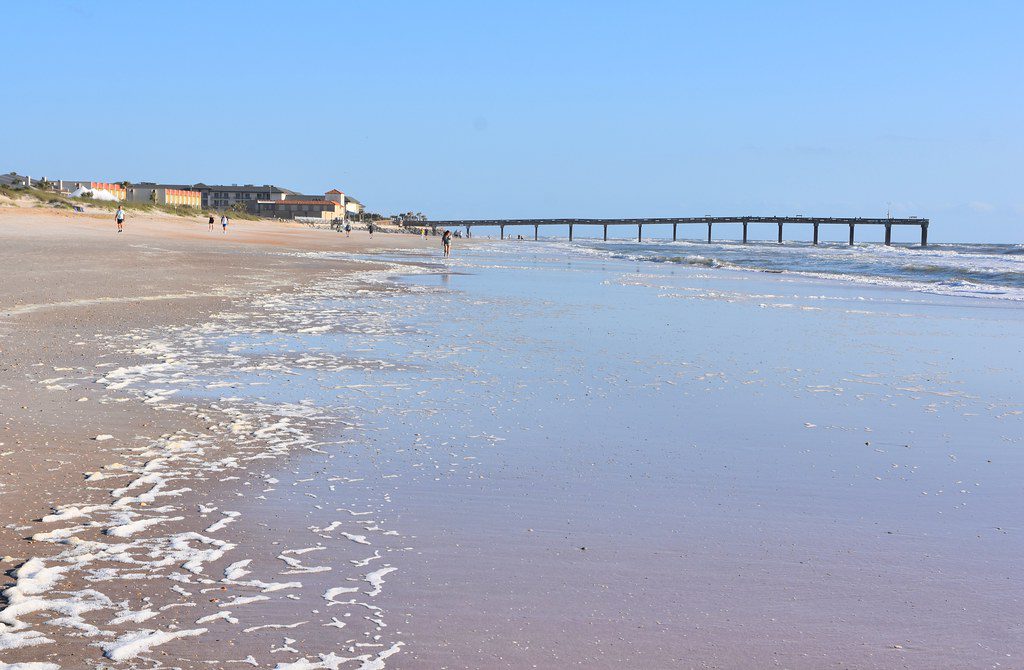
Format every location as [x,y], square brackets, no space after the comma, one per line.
[709,221]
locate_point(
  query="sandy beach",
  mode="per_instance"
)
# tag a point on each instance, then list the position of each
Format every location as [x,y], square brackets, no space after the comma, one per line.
[283,448]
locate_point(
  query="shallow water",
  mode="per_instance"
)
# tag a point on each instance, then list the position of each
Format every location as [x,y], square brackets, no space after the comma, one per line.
[538,456]
[978,270]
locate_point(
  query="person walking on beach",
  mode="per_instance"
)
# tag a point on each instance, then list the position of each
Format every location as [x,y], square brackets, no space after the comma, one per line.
[348,229]
[119,217]
[369,228]
[446,242]
[224,223]
[211,222]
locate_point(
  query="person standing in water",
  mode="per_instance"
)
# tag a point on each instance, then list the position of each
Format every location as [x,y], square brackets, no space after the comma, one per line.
[446,242]
[224,223]
[211,222]
[119,217]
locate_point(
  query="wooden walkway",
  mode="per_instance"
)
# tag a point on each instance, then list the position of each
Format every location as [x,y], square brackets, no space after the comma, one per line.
[709,221]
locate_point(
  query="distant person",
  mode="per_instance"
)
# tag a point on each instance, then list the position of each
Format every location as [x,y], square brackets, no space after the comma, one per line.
[369,228]
[224,223]
[119,217]
[348,229]
[212,222]
[446,242]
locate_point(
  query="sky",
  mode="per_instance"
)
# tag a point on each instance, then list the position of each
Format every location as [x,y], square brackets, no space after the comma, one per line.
[537,109]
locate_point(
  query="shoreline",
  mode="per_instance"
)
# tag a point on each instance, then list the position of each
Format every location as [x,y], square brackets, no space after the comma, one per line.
[426,503]
[58,342]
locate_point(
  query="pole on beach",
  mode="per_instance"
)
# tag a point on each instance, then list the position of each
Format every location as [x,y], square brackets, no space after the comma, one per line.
[502,232]
[467,232]
[536,232]
[709,232]
[924,234]
[744,232]
[851,234]
[815,233]
[780,233]
[570,232]
[888,234]
[674,225]
[639,231]
[606,232]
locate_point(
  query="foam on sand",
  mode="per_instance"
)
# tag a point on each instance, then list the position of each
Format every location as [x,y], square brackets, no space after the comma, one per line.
[132,644]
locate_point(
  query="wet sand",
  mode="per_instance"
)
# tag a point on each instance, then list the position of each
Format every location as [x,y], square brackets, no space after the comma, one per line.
[520,461]
[70,286]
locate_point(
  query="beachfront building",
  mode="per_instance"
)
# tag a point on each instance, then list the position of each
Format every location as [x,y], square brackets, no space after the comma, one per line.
[226,197]
[331,205]
[165,194]
[353,207]
[100,190]
[294,208]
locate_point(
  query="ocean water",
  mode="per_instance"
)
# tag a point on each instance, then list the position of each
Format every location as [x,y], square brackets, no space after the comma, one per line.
[553,455]
[980,270]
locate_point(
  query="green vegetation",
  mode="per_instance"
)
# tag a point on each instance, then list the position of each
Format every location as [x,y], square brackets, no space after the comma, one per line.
[45,197]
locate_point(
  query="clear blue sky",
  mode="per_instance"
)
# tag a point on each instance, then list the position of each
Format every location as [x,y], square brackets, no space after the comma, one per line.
[537,109]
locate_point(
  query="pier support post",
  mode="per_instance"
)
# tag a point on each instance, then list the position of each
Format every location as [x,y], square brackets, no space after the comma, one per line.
[888,234]
[709,232]
[536,232]
[851,234]
[639,231]
[780,233]
[606,232]
[570,232]
[924,234]
[674,226]
[744,232]
[815,233]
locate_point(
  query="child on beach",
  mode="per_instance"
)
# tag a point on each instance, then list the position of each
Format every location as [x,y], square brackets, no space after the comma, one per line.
[348,229]
[370,229]
[119,217]
[211,222]
[446,242]
[224,223]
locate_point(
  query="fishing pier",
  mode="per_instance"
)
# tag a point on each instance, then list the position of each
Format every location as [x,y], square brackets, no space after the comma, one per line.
[709,221]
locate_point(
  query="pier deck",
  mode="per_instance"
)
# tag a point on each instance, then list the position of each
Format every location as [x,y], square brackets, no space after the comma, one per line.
[709,221]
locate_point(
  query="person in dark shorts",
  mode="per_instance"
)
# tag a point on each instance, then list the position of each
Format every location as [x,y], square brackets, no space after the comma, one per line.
[119,217]
[369,228]
[211,222]
[348,229]
[224,223]
[446,242]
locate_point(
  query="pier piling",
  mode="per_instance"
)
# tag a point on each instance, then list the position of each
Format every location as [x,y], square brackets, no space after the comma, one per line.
[709,221]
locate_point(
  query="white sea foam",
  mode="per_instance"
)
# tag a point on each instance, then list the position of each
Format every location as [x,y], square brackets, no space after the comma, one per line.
[132,644]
